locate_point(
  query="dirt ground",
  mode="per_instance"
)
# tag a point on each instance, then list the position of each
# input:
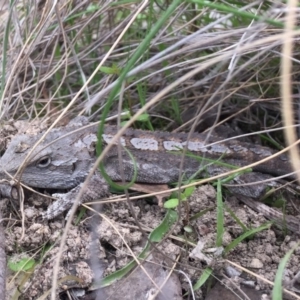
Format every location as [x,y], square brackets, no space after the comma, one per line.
[95,242]
[96,248]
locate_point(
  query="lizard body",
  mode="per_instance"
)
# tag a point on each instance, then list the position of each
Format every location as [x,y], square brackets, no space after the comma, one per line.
[64,158]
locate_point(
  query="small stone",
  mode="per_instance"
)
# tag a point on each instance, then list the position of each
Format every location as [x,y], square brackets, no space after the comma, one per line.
[256,264]
[232,272]
[30,212]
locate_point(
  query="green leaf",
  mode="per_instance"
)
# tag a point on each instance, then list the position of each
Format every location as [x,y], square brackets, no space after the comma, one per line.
[280,203]
[143,118]
[92,8]
[125,115]
[171,203]
[123,123]
[110,70]
[24,264]
[189,191]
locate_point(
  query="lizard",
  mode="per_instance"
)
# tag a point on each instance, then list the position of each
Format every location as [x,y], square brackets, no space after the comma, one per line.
[64,158]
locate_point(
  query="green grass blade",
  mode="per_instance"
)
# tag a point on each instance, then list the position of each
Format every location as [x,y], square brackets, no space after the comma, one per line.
[4,53]
[235,218]
[142,48]
[237,12]
[220,215]
[201,213]
[277,289]
[203,278]
[155,236]
[238,240]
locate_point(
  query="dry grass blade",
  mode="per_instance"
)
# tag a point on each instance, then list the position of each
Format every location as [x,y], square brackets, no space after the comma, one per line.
[157,65]
[3,260]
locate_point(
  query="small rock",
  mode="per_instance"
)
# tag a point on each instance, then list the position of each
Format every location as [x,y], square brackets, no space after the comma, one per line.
[222,292]
[256,264]
[30,212]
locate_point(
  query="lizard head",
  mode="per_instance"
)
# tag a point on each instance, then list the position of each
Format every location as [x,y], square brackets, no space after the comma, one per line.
[55,162]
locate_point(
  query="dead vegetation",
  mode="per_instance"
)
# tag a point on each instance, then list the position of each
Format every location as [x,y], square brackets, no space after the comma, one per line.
[162,65]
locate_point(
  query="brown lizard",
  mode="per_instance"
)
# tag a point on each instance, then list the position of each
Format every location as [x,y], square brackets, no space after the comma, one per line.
[64,158]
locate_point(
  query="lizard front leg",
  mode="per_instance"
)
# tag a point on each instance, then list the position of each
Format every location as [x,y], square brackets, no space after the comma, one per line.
[96,188]
[9,189]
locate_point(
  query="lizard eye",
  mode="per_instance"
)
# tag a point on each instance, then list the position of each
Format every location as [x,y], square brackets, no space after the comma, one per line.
[44,162]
